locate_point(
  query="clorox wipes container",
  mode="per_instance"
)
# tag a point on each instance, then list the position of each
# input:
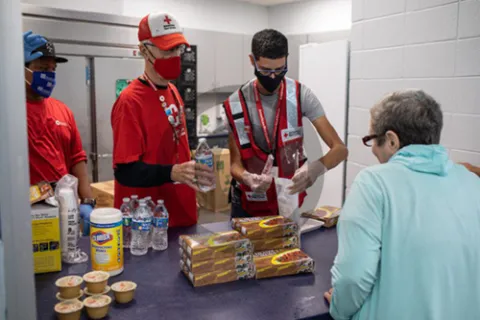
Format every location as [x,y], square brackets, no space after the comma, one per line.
[106,240]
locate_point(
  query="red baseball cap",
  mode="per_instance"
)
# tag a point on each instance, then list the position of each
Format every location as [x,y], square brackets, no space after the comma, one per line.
[162,29]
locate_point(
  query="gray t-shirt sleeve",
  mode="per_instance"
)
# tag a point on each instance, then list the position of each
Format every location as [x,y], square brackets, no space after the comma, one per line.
[312,109]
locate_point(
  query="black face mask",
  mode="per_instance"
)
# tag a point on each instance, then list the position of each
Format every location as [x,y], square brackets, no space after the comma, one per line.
[270,84]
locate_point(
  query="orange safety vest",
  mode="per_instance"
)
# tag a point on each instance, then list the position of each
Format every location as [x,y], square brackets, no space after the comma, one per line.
[289,141]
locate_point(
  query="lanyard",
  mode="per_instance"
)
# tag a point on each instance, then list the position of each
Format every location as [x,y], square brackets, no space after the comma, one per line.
[261,114]
[170,118]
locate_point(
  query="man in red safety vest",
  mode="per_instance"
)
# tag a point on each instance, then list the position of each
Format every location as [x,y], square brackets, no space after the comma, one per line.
[265,120]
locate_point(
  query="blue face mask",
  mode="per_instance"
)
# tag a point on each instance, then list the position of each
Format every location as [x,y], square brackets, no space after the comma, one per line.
[43,82]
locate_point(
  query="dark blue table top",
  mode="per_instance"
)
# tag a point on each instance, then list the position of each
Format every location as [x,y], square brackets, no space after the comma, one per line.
[164,292]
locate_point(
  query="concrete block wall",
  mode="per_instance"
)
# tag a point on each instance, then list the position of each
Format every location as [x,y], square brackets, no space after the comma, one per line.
[429,44]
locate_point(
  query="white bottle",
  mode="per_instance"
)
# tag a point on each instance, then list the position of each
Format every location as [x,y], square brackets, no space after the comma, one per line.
[204,155]
[160,227]
[141,224]
[69,216]
[151,208]
[126,222]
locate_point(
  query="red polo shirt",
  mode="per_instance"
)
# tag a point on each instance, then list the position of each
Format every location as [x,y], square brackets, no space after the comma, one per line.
[54,143]
[142,132]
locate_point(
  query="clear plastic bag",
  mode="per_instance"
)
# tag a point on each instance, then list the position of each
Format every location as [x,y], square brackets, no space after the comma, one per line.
[288,204]
[66,194]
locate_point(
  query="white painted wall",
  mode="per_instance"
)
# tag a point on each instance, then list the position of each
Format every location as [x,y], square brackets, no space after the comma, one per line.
[433,45]
[216,15]
[102,6]
[312,16]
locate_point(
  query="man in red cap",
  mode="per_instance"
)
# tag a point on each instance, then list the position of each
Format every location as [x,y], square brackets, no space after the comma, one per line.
[151,155]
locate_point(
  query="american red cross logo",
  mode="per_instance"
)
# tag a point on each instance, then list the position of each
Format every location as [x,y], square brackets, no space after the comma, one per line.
[285,135]
[167,20]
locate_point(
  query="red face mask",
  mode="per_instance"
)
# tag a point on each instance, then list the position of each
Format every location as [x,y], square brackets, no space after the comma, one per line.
[169,68]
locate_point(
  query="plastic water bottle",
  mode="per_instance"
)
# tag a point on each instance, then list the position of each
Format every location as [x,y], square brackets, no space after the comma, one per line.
[204,155]
[142,222]
[151,208]
[160,227]
[127,222]
[134,202]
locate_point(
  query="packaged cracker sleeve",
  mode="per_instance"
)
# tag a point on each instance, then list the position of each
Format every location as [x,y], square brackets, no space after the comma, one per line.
[328,214]
[265,227]
[276,243]
[217,245]
[204,279]
[213,265]
[277,263]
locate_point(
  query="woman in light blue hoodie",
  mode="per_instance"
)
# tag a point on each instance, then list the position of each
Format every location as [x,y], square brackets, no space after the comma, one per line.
[409,232]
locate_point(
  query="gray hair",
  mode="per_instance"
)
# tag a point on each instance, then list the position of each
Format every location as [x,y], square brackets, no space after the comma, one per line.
[412,114]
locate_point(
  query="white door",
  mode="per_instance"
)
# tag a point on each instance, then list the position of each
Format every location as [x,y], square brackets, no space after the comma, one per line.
[324,69]
[73,89]
[106,72]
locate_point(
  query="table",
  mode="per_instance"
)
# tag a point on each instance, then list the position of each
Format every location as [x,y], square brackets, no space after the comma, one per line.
[165,293]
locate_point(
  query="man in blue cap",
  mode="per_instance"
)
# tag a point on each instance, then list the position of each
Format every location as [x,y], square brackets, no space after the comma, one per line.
[54,144]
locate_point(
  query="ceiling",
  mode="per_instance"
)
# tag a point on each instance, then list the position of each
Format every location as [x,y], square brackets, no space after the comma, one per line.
[270,2]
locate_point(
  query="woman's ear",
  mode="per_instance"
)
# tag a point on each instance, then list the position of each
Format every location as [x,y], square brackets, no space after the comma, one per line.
[392,141]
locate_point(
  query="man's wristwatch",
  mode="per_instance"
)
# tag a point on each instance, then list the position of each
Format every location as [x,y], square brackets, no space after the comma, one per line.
[90,201]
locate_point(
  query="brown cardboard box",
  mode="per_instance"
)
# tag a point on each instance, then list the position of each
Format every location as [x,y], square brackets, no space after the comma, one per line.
[218,245]
[215,277]
[217,200]
[265,227]
[277,263]
[103,192]
[214,265]
[328,214]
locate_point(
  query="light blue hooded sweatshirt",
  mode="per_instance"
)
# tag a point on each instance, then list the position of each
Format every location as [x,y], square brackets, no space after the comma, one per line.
[409,241]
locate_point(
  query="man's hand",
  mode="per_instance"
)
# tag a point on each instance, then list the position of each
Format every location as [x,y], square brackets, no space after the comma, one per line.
[193,174]
[306,176]
[328,295]
[258,183]
[32,42]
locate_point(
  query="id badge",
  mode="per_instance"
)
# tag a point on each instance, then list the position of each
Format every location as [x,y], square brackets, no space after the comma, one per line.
[256,196]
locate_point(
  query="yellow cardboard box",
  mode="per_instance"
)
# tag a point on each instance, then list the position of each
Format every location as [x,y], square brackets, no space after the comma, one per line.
[47,255]
[217,200]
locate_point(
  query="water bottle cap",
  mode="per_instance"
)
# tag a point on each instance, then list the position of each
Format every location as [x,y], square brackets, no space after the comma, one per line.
[134,196]
[160,201]
[148,198]
[126,199]
[143,202]
[202,140]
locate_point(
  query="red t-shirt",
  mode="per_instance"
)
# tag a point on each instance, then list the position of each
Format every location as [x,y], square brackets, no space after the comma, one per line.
[54,143]
[142,132]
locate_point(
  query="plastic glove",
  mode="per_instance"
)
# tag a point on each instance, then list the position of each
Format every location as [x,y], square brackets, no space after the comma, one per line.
[85,211]
[306,176]
[258,183]
[32,42]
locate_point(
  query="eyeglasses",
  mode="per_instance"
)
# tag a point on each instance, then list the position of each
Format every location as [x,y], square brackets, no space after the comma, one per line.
[178,49]
[268,72]
[368,140]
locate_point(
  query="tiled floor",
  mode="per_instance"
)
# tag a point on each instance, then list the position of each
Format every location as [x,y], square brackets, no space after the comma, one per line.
[207,216]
